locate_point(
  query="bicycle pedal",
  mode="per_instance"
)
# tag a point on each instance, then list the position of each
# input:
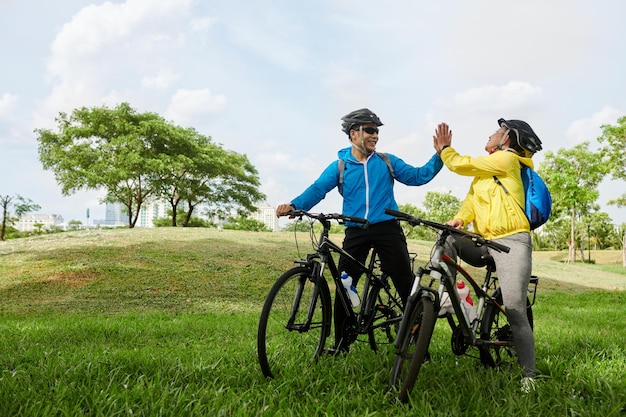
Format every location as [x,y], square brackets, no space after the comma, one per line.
[335,352]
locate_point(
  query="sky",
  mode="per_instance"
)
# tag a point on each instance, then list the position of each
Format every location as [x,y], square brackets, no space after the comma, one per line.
[272,79]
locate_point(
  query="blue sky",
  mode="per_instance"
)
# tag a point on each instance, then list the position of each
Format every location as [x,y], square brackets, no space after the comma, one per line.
[272,79]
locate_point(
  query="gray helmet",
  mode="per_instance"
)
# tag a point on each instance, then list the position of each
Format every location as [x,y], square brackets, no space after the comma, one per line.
[524,139]
[358,118]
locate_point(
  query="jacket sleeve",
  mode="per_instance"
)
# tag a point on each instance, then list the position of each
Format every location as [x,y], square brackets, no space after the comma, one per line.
[316,192]
[410,175]
[497,163]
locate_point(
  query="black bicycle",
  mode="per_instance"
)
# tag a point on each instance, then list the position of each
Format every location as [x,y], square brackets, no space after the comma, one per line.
[297,314]
[489,331]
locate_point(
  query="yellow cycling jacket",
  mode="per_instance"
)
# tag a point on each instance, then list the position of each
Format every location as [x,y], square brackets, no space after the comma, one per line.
[494,213]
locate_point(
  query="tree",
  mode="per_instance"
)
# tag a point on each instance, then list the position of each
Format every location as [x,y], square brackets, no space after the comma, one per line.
[74,224]
[246,223]
[411,232]
[614,140]
[105,148]
[441,207]
[573,176]
[20,206]
[139,157]
[204,173]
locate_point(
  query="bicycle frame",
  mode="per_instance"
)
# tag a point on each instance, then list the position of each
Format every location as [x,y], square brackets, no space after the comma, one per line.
[440,270]
[489,332]
[323,259]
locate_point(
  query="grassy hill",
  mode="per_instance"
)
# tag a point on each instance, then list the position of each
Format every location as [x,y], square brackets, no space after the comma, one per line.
[186,268]
[149,322]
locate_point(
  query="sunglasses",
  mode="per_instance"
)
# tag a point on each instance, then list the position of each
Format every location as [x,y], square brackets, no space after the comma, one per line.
[370,130]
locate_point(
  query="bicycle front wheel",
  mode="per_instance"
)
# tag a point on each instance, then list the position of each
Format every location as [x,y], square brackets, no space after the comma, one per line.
[294,323]
[414,348]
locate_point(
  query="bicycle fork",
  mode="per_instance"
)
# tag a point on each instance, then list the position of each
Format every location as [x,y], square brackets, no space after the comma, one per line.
[410,312]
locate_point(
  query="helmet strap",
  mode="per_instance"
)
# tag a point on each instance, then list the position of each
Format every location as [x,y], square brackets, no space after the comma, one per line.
[361,146]
[504,136]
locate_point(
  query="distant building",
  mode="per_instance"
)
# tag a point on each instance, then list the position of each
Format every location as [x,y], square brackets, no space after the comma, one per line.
[27,222]
[150,212]
[267,216]
[117,215]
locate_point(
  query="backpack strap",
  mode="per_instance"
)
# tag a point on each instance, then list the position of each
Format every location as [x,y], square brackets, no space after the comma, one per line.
[387,160]
[497,180]
[341,166]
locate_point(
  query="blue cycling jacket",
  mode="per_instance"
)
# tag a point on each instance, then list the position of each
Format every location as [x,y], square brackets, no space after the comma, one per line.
[368,185]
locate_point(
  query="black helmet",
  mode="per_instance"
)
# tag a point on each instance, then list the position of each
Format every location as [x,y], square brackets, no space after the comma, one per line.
[357,118]
[525,139]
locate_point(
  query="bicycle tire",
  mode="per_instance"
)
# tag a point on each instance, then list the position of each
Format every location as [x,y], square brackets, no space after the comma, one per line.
[387,307]
[411,356]
[495,327]
[281,340]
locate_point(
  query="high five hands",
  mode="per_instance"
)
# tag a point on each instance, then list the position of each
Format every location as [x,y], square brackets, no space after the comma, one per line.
[442,137]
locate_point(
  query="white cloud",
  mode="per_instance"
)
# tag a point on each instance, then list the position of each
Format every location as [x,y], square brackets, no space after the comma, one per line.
[202,24]
[100,55]
[590,128]
[188,105]
[512,95]
[294,68]
[534,38]
[273,35]
[162,80]
[7,104]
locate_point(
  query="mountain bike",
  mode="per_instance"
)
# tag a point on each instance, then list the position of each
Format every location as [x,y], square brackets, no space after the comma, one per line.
[297,314]
[489,332]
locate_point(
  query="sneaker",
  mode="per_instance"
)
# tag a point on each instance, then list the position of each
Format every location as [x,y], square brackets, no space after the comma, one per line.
[528,385]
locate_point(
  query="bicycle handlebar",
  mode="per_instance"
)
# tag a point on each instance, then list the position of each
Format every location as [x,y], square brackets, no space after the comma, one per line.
[477,239]
[329,216]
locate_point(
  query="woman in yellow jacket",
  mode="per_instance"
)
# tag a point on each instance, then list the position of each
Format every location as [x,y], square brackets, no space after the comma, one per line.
[498,215]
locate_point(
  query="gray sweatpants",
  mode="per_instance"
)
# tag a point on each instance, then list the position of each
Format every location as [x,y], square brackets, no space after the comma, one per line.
[514,269]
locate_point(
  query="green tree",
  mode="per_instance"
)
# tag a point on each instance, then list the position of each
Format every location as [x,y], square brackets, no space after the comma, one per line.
[422,233]
[245,223]
[555,234]
[573,176]
[438,207]
[106,148]
[74,224]
[221,180]
[16,204]
[193,222]
[139,157]
[614,140]
[441,207]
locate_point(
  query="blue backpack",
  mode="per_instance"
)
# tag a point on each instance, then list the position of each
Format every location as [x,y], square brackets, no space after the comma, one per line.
[537,196]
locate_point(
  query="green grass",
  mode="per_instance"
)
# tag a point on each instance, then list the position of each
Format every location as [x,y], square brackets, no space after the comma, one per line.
[163,323]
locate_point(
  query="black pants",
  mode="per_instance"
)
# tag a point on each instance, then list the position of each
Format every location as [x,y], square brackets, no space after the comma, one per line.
[388,239]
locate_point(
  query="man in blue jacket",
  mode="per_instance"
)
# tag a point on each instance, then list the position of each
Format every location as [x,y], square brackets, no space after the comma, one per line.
[366,185]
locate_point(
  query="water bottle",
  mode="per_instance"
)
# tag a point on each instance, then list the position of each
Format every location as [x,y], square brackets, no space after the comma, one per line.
[466,300]
[350,289]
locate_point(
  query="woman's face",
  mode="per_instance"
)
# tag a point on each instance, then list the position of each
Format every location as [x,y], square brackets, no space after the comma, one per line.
[495,139]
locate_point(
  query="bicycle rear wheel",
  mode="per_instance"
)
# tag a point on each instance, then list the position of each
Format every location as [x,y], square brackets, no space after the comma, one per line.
[495,327]
[295,321]
[413,351]
[386,311]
